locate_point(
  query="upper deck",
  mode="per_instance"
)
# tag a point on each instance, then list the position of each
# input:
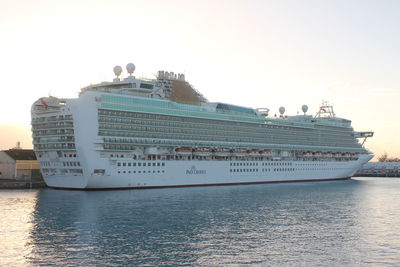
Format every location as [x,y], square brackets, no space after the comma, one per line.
[170,93]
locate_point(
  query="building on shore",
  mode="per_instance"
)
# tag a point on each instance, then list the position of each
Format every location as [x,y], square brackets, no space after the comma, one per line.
[380,169]
[19,164]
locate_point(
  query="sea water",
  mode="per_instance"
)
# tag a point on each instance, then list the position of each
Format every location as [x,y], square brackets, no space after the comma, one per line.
[353,222]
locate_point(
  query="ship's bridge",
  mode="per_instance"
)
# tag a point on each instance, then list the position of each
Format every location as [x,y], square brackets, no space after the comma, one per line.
[128,84]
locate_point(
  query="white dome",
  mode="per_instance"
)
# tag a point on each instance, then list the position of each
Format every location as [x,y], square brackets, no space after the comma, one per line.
[130,68]
[117,70]
[304,108]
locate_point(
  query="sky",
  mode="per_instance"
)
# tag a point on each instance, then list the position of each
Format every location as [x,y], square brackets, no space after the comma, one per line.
[250,53]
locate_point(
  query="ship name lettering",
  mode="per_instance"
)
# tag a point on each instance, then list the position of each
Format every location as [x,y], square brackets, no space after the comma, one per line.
[193,170]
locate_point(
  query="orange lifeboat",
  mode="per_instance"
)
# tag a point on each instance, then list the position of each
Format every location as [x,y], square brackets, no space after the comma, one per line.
[202,151]
[183,151]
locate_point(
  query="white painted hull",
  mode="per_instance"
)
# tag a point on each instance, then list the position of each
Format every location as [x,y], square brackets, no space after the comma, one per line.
[195,173]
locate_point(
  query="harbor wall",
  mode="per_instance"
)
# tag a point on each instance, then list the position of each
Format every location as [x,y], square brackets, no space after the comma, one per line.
[35,181]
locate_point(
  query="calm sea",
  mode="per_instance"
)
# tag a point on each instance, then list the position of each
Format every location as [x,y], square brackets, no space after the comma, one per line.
[354,222]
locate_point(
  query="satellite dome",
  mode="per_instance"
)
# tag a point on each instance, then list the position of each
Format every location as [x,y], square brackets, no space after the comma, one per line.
[117,70]
[281,110]
[304,108]
[130,68]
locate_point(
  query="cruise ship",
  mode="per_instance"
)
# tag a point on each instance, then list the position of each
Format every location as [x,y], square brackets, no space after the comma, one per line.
[162,132]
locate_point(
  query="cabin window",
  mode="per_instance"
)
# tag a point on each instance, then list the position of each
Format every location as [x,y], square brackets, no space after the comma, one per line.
[146,86]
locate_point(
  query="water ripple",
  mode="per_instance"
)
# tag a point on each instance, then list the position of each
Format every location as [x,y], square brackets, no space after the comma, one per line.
[353,222]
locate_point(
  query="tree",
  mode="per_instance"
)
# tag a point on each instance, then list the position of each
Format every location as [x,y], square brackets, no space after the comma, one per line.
[383,158]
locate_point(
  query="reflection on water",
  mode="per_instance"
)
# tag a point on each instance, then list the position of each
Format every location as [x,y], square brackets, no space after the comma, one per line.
[16,208]
[352,222]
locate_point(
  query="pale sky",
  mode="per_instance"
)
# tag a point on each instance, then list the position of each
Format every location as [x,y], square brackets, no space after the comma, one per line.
[250,53]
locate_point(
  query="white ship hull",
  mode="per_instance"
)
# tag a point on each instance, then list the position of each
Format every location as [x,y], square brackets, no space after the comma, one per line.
[131,134]
[198,173]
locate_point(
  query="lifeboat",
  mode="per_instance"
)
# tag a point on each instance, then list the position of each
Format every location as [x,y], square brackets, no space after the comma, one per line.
[253,153]
[222,152]
[202,151]
[239,152]
[265,153]
[183,151]
[307,154]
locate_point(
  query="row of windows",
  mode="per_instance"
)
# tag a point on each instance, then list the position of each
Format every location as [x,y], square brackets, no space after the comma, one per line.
[53,146]
[71,163]
[226,135]
[341,134]
[139,164]
[244,164]
[54,139]
[53,132]
[277,164]
[52,118]
[288,136]
[182,134]
[183,113]
[263,164]
[244,170]
[161,137]
[154,171]
[53,125]
[187,122]
[62,171]
[191,131]
[65,163]
[69,155]
[263,170]
[242,158]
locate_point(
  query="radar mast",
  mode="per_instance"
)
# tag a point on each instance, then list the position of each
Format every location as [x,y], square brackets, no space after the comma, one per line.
[325,111]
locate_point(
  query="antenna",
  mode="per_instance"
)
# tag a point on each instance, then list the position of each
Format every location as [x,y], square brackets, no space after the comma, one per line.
[325,110]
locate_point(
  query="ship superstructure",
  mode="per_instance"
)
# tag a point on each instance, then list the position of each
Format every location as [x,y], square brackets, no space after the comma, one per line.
[144,133]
